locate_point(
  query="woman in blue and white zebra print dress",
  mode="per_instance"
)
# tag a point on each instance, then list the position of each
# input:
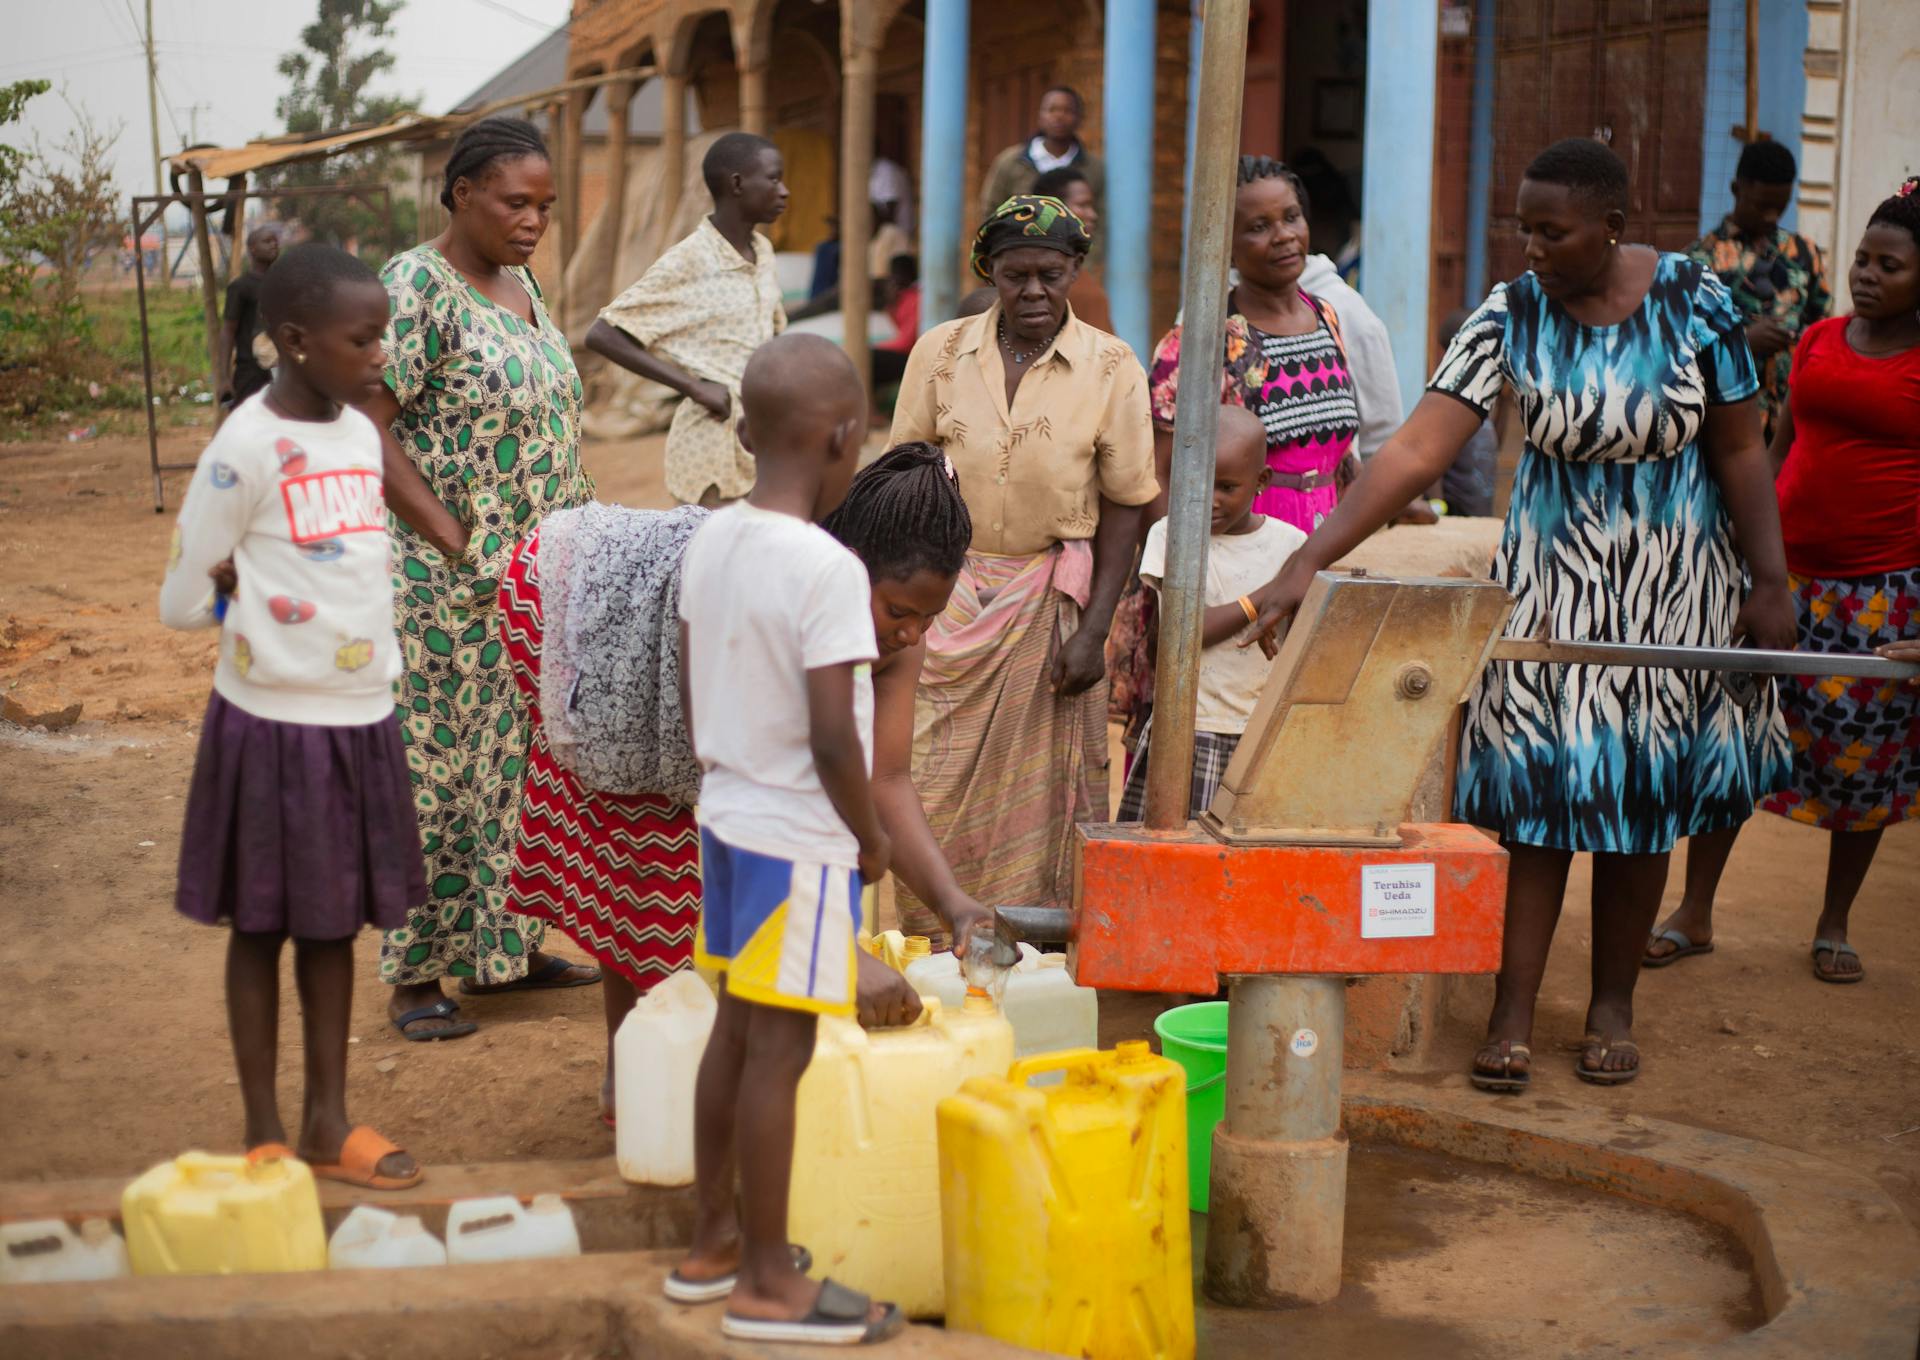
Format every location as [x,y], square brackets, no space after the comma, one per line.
[1642,499]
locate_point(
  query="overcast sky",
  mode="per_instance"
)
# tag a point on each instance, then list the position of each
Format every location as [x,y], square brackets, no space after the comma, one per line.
[217,60]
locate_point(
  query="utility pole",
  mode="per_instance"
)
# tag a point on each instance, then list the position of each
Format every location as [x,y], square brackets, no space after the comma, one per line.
[159,167]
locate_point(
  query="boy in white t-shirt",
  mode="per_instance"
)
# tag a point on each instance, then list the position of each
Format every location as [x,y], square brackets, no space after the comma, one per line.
[1244,550]
[778,642]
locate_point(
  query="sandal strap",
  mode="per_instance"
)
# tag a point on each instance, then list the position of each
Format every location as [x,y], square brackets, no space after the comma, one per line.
[1835,947]
[364,1149]
[841,1304]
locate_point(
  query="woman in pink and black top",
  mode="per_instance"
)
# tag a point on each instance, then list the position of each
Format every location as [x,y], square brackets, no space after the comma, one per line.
[1847,450]
[1287,363]
[1285,360]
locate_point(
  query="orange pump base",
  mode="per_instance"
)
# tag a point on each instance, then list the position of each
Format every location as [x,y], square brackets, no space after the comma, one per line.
[1158,912]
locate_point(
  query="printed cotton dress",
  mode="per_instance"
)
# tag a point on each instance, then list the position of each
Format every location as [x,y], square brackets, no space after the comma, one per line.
[1616,533]
[490,416]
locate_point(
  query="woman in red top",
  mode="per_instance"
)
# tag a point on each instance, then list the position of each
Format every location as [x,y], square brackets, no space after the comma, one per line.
[1847,460]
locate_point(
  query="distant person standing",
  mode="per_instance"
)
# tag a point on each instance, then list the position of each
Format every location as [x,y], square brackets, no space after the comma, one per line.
[1776,277]
[1070,185]
[694,318]
[240,330]
[1054,145]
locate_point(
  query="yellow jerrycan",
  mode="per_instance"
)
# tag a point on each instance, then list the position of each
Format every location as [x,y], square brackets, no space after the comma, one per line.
[866,1164]
[204,1215]
[1063,1208]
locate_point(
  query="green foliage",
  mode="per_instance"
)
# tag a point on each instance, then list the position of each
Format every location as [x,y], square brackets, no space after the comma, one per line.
[341,53]
[59,213]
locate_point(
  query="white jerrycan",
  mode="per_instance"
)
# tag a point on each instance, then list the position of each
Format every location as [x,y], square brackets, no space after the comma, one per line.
[47,1251]
[500,1228]
[1048,1011]
[374,1239]
[656,1057]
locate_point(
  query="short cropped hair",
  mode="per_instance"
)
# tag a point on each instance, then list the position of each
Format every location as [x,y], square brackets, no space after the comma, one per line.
[300,283]
[1765,163]
[1588,168]
[733,154]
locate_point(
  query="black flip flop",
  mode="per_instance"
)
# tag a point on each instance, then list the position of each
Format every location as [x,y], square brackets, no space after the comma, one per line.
[1506,1081]
[551,977]
[839,1318]
[443,1009]
[1600,1076]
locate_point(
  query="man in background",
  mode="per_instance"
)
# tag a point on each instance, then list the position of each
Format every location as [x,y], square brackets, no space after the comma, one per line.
[1776,276]
[241,369]
[1054,145]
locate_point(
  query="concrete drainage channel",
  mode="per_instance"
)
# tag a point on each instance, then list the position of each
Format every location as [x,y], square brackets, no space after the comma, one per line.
[1835,1267]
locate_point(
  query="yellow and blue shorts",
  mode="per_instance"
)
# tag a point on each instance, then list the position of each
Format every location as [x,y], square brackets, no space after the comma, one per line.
[781,930]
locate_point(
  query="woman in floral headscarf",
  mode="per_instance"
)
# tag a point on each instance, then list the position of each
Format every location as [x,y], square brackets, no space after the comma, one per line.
[1046,420]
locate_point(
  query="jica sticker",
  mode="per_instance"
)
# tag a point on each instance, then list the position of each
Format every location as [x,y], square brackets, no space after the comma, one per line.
[1304,1044]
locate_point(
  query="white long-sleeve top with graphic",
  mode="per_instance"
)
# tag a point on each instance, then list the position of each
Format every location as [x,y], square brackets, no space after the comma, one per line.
[299,507]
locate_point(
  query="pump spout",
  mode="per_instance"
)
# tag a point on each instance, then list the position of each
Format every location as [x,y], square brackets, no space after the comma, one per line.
[1036,925]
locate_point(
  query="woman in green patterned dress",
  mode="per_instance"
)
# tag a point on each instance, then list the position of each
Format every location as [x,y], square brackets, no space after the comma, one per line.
[482,417]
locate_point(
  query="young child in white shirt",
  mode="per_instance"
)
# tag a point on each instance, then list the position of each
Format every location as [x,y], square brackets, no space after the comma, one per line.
[778,642]
[1244,550]
[299,819]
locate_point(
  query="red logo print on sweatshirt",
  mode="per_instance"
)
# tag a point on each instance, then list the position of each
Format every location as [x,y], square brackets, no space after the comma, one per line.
[286,609]
[293,458]
[325,505]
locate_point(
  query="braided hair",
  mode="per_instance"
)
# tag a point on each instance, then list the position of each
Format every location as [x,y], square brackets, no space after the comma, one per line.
[905,514]
[480,145]
[1253,168]
[1902,210]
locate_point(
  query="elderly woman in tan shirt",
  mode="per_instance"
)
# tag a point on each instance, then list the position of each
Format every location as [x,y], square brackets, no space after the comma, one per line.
[1046,421]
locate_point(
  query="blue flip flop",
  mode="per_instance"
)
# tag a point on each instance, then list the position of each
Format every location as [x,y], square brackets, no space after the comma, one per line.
[1684,948]
[1829,974]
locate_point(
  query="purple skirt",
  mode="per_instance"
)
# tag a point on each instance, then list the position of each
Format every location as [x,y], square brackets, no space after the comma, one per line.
[299,828]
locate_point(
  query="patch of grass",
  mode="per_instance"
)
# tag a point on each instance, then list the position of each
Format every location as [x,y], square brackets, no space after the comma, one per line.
[178,334]
[101,383]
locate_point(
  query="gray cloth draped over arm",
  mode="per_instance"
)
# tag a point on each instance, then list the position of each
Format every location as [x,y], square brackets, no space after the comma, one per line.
[610,653]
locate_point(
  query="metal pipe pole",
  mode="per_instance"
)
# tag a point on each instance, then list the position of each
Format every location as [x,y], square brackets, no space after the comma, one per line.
[943,159]
[1740,660]
[1279,1198]
[1196,412]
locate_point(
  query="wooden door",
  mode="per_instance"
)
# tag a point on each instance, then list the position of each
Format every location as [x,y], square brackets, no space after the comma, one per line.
[1630,72]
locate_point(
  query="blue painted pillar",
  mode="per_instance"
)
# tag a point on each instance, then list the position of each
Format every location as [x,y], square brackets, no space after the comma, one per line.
[1396,261]
[943,156]
[1128,224]
[1480,154]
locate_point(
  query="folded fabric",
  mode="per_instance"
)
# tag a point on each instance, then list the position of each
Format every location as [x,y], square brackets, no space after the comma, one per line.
[610,664]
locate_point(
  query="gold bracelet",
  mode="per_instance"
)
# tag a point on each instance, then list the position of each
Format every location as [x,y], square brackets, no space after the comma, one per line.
[1246,606]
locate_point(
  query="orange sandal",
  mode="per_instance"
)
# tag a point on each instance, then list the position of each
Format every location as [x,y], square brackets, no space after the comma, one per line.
[360,1162]
[267,1152]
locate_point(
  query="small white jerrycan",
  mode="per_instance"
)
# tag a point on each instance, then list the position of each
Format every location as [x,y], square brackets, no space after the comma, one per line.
[374,1239]
[500,1228]
[47,1251]
[1049,1012]
[656,1057]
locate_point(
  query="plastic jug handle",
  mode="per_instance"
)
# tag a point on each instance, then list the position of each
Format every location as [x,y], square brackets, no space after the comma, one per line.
[1028,1068]
[929,1012]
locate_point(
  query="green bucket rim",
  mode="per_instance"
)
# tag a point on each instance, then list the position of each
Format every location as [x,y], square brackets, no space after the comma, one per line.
[1202,1043]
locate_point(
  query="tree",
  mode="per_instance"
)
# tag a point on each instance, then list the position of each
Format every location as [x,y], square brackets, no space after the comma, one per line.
[58,214]
[341,53]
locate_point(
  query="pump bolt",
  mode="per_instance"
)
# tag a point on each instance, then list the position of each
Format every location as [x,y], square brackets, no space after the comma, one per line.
[1413,681]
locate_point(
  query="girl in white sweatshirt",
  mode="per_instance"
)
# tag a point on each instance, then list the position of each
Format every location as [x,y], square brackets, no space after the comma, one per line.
[300,816]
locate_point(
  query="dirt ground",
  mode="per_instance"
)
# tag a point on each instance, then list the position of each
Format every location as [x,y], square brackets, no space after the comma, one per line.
[113,1049]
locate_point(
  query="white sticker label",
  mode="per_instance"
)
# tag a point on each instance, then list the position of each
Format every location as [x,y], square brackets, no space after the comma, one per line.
[1396,901]
[1305,1043]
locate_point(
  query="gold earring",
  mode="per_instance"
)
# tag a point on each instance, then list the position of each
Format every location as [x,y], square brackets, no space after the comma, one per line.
[1613,240]
[299,358]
